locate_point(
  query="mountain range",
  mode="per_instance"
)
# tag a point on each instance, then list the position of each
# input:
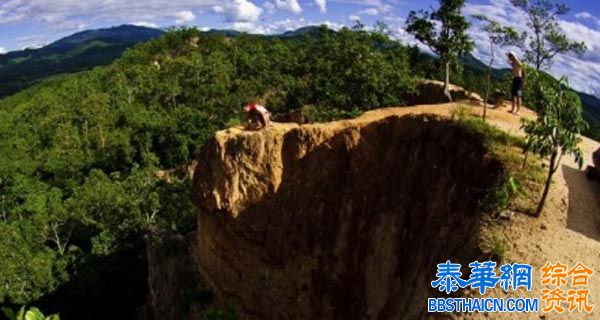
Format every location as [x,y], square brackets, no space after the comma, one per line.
[77,52]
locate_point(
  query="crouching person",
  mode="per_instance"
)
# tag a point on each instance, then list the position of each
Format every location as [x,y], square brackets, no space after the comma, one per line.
[257,116]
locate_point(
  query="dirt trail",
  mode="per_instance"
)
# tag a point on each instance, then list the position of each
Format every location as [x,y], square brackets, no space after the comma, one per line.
[568,230]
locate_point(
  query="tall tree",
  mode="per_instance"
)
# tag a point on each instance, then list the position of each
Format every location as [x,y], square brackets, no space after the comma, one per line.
[444,31]
[546,39]
[556,130]
[499,36]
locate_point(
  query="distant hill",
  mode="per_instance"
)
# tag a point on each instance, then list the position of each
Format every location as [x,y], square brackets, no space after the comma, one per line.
[591,110]
[85,50]
[80,51]
[288,34]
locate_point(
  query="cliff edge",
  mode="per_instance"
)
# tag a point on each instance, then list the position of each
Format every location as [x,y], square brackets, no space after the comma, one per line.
[342,220]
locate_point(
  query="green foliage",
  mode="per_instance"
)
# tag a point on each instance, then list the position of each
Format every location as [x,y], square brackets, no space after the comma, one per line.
[556,130]
[217,314]
[326,114]
[501,144]
[491,134]
[547,38]
[558,124]
[449,40]
[499,247]
[32,313]
[500,199]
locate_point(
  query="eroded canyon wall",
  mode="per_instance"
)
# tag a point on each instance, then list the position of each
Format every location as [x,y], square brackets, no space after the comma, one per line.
[344,220]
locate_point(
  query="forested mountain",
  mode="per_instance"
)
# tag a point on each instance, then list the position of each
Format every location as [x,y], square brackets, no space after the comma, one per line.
[591,113]
[80,51]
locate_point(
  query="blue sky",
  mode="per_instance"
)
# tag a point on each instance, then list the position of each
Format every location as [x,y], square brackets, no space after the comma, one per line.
[33,23]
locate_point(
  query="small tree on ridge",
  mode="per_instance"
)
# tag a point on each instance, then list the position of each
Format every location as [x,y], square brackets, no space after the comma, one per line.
[499,36]
[556,130]
[547,39]
[444,31]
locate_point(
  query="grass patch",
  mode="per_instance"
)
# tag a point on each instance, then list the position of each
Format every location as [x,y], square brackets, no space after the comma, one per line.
[462,111]
[219,314]
[521,188]
[329,114]
[498,247]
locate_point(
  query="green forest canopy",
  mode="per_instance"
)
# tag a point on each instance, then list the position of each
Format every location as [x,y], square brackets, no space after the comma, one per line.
[78,183]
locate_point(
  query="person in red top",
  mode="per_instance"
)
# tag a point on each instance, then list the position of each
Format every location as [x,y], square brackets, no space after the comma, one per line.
[257,116]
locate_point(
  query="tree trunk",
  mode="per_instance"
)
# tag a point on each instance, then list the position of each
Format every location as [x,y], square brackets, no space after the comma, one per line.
[525,160]
[489,82]
[447,82]
[551,170]
[539,49]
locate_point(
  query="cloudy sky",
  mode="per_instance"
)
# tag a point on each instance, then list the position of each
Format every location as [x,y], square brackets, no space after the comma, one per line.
[33,23]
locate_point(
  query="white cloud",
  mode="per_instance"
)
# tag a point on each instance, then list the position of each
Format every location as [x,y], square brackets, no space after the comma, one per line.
[322,5]
[146,24]
[584,15]
[245,26]
[2,50]
[239,11]
[55,13]
[269,6]
[353,18]
[333,25]
[280,26]
[369,12]
[276,27]
[184,17]
[33,46]
[289,5]
[218,9]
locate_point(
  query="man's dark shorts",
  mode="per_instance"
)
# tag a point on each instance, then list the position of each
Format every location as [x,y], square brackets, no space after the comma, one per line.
[517,87]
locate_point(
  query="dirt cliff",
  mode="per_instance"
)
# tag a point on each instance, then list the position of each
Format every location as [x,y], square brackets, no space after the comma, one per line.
[344,220]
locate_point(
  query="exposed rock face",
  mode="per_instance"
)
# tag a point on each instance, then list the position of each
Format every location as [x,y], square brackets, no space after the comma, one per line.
[345,220]
[432,92]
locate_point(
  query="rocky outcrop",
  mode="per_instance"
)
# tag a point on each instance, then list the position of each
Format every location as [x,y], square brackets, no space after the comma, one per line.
[432,92]
[344,220]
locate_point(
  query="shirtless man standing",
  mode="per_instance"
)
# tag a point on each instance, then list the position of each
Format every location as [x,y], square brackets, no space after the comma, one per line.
[517,84]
